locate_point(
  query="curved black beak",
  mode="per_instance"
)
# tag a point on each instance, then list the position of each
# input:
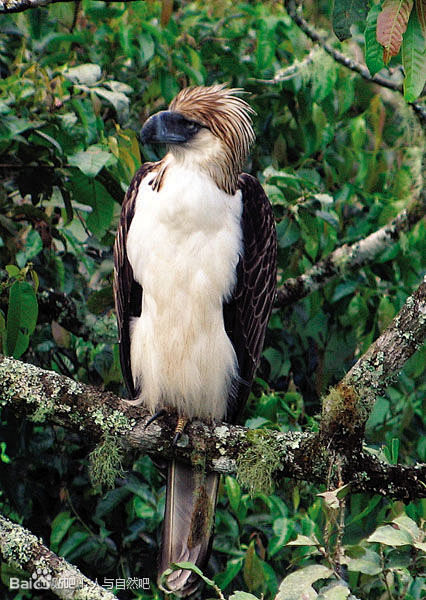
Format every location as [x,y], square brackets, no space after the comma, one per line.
[166,127]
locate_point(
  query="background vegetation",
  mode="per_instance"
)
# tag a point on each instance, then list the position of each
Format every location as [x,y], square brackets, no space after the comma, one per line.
[338,157]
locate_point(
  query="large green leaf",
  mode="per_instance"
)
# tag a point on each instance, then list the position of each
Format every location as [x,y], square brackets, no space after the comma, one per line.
[21,318]
[60,525]
[86,74]
[92,160]
[373,50]
[414,59]
[298,584]
[89,191]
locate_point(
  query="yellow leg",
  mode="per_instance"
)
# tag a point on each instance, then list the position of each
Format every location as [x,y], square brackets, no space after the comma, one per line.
[180,426]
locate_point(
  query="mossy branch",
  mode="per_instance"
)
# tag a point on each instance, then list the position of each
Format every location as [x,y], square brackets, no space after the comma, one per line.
[23,550]
[347,407]
[101,416]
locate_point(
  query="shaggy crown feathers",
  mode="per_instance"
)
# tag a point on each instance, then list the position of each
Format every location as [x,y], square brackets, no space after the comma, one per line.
[225,114]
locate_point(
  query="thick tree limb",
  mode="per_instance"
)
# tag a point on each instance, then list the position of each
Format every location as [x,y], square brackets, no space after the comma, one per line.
[349,63]
[99,416]
[348,258]
[23,550]
[347,408]
[96,415]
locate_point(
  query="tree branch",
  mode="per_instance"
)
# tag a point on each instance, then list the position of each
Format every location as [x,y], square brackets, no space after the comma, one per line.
[349,63]
[23,550]
[99,416]
[347,407]
[12,6]
[347,258]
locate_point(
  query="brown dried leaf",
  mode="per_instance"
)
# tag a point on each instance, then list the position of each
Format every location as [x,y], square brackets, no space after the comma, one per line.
[391,25]
[421,13]
[166,11]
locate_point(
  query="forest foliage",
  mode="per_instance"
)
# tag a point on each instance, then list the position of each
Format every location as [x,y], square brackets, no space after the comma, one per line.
[337,156]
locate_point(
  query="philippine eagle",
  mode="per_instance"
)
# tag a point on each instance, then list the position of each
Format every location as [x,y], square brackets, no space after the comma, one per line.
[195,271]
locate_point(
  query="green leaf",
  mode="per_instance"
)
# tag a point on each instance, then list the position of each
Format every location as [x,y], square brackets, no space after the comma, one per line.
[143,510]
[72,543]
[233,491]
[60,525]
[13,270]
[303,540]
[91,161]
[373,50]
[233,567]
[112,499]
[189,566]
[242,596]
[413,59]
[118,99]
[346,288]
[391,535]
[169,86]
[298,585]
[288,232]
[283,530]
[335,591]
[91,192]
[409,525]
[21,318]
[345,14]
[33,246]
[100,301]
[265,49]
[254,576]
[147,48]
[86,74]
[367,561]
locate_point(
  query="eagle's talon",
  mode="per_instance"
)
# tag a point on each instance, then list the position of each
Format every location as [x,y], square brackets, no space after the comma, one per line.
[157,415]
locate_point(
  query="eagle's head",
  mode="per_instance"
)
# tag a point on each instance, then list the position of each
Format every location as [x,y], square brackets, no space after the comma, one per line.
[207,127]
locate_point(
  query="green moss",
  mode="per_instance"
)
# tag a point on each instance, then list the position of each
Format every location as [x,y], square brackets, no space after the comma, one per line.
[20,546]
[44,409]
[106,462]
[256,466]
[115,422]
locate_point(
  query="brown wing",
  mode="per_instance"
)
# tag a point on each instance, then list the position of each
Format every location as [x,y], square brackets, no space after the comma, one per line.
[247,314]
[127,292]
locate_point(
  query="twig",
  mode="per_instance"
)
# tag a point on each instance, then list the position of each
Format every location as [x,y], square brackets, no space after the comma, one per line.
[12,6]
[347,62]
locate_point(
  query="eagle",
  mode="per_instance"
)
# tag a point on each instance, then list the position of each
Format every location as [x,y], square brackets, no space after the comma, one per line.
[194,284]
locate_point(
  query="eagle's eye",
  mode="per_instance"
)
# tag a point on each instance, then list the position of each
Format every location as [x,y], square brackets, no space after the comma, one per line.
[193,127]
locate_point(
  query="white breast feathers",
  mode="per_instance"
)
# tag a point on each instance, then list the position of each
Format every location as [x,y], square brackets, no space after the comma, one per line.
[184,244]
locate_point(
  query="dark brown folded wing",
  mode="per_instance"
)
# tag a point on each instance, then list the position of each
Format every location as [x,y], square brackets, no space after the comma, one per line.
[127,292]
[247,314]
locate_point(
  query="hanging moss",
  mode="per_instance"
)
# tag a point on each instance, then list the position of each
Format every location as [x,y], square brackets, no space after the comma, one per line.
[106,463]
[257,464]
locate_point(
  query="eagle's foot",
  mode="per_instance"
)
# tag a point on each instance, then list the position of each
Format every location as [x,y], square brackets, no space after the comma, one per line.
[157,415]
[180,426]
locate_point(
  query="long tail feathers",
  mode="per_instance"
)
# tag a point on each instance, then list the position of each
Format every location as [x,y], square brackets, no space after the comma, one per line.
[188,524]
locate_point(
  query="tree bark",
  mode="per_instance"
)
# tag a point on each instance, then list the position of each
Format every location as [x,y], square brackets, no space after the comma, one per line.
[23,550]
[98,415]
